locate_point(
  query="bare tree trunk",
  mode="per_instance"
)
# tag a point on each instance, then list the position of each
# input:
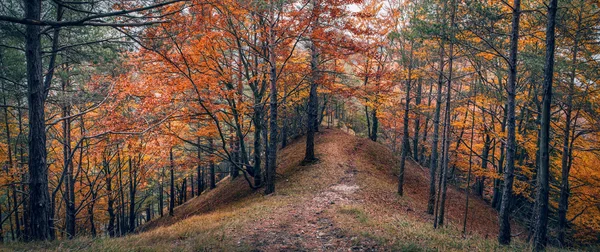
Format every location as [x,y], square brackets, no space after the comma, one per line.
[172,184]
[504,235]
[540,238]
[69,193]
[375,125]
[11,166]
[199,169]
[272,161]
[468,184]
[497,193]
[123,223]
[258,124]
[91,215]
[417,120]
[436,122]
[426,126]
[192,189]
[110,199]
[284,129]
[313,103]
[161,199]
[39,198]
[563,203]
[405,143]
[480,182]
[447,123]
[132,190]
[213,179]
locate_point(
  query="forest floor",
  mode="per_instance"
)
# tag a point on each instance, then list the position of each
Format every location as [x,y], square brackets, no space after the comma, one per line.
[346,201]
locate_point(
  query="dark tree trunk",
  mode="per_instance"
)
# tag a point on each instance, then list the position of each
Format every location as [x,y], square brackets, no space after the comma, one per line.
[426,126]
[258,124]
[436,123]
[367,114]
[213,179]
[543,185]
[468,184]
[313,103]
[192,189]
[172,183]
[110,200]
[497,194]
[417,121]
[563,203]
[272,161]
[504,235]
[285,115]
[447,124]
[69,193]
[121,223]
[184,190]
[405,143]
[10,165]
[200,176]
[39,198]
[132,190]
[91,217]
[479,185]
[161,199]
[321,114]
[375,125]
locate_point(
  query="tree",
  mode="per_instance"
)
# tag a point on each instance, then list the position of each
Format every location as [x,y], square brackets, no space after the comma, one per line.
[504,235]
[543,188]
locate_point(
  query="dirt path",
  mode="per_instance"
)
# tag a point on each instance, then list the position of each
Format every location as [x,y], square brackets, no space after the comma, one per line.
[307,225]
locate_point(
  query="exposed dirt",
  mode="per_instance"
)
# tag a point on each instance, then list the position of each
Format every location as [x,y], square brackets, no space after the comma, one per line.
[308,226]
[352,173]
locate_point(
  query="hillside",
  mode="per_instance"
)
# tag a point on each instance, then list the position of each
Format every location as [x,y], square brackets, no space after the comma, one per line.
[346,201]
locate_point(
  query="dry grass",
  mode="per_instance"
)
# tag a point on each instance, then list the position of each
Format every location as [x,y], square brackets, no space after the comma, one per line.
[345,201]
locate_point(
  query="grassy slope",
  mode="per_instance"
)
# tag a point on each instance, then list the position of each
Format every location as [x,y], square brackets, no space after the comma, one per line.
[345,201]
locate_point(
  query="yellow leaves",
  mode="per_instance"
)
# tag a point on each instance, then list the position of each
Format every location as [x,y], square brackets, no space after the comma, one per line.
[521,188]
[486,55]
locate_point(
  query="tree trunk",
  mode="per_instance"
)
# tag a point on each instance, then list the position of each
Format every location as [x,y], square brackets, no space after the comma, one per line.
[563,203]
[132,190]
[447,124]
[504,235]
[200,176]
[480,183]
[375,125]
[39,198]
[417,121]
[497,194]
[69,193]
[91,216]
[543,185]
[284,129]
[213,179]
[121,223]
[272,161]
[258,121]
[468,184]
[110,200]
[184,189]
[192,189]
[171,184]
[426,127]
[405,143]
[436,122]
[161,199]
[313,103]
[11,166]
